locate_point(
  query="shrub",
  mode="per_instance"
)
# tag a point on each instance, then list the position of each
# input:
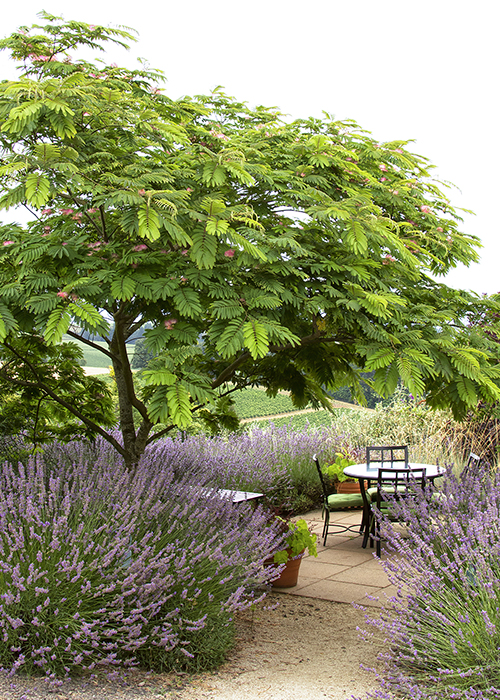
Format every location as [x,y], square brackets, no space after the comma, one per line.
[273,461]
[442,631]
[100,567]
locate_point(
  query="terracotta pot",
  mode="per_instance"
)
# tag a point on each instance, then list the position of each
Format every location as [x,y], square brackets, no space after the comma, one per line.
[348,487]
[290,574]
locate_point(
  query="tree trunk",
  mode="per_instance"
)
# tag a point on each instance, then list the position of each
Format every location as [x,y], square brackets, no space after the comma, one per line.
[134,442]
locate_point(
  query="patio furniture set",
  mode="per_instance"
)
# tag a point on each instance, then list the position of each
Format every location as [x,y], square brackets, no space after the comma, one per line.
[394,477]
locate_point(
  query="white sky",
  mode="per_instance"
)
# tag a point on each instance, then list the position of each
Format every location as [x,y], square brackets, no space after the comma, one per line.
[426,71]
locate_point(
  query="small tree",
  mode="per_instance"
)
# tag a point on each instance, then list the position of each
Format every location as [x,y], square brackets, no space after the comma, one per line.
[142,355]
[287,254]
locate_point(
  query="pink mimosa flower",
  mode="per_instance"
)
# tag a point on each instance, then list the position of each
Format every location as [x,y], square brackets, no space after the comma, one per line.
[383,179]
[141,191]
[46,211]
[425,209]
[140,247]
[63,295]
[439,229]
[92,211]
[169,322]
[229,253]
[184,252]
[47,228]
[66,212]
[383,167]
[8,242]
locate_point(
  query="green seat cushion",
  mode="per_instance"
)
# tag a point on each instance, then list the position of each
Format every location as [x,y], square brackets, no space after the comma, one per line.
[345,500]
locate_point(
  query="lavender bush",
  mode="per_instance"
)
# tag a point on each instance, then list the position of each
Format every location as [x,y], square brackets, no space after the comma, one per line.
[441,634]
[100,567]
[273,461]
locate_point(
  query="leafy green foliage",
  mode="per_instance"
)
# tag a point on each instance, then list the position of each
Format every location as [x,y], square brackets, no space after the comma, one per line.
[292,255]
[31,373]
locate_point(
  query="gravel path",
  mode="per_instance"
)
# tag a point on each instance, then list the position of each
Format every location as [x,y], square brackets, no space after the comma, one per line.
[300,649]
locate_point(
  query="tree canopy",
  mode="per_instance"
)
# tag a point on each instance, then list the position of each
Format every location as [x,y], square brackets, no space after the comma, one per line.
[292,254]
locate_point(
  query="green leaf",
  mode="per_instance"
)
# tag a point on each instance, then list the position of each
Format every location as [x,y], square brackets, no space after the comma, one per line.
[179,405]
[380,358]
[466,391]
[227,308]
[256,339]
[37,189]
[231,340]
[157,377]
[90,315]
[188,302]
[356,237]
[7,322]
[57,324]
[123,288]
[216,227]
[158,406]
[148,223]
[213,174]
[204,250]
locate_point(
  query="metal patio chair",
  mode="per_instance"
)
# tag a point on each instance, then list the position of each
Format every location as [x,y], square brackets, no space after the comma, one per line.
[392,485]
[335,502]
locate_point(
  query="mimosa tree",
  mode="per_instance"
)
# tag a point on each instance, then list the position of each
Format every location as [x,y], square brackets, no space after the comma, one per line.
[292,255]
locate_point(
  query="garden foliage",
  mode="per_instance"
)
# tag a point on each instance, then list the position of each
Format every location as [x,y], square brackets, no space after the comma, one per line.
[290,254]
[101,568]
[440,634]
[274,461]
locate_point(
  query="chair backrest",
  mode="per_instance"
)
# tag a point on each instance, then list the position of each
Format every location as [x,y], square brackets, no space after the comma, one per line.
[321,477]
[398,483]
[378,456]
[472,466]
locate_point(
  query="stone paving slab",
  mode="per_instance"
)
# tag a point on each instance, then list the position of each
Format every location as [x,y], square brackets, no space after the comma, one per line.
[343,571]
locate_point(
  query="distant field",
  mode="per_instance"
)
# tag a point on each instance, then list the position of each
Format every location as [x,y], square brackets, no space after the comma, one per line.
[249,403]
[252,403]
[94,358]
[302,420]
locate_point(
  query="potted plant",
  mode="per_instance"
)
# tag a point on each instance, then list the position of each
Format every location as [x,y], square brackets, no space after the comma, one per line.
[298,538]
[335,472]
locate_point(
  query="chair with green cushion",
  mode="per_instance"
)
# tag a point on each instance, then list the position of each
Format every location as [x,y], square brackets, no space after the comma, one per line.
[380,455]
[392,484]
[334,502]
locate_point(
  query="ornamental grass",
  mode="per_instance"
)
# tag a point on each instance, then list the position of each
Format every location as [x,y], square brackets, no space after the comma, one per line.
[104,568]
[440,635]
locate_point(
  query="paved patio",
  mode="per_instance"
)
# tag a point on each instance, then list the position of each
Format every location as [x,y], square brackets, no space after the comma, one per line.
[343,571]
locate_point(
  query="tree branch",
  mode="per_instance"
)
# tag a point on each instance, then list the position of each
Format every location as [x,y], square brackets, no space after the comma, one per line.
[88,342]
[39,384]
